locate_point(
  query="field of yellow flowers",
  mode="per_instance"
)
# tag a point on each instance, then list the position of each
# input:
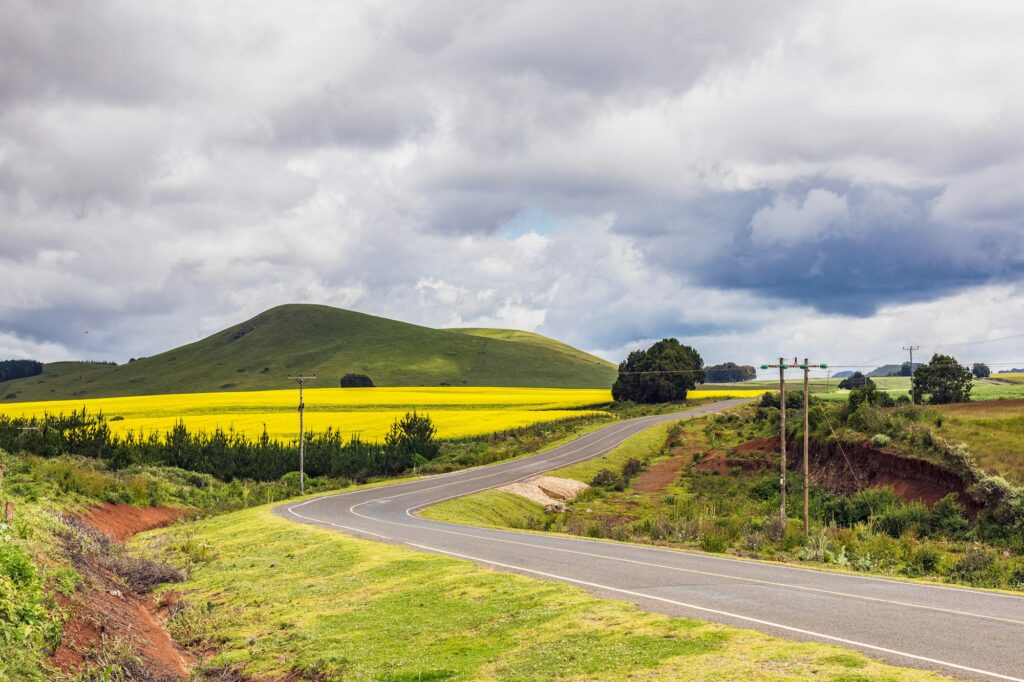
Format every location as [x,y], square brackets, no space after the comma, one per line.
[457,411]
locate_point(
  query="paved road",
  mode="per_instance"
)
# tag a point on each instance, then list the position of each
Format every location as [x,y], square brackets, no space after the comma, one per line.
[966,633]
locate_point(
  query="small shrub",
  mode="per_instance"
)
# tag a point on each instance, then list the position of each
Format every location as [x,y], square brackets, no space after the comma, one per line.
[712,542]
[15,565]
[902,518]
[880,440]
[864,562]
[605,478]
[947,517]
[925,561]
[66,580]
[142,575]
[776,529]
[979,567]
[631,468]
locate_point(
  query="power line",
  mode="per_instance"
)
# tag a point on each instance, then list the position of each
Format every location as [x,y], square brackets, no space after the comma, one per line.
[974,343]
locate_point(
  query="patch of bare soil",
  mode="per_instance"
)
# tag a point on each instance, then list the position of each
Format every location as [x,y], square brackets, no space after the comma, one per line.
[550,491]
[719,463]
[660,476]
[121,521]
[852,467]
[113,620]
[765,445]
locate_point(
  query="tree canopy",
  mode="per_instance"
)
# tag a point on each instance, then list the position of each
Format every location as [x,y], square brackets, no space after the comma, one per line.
[410,442]
[980,370]
[19,369]
[356,381]
[728,372]
[942,380]
[857,380]
[663,373]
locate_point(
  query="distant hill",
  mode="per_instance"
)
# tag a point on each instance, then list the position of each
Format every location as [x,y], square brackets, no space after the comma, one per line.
[330,342]
[845,374]
[890,370]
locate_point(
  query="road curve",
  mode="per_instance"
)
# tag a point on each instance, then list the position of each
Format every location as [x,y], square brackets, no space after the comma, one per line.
[966,633]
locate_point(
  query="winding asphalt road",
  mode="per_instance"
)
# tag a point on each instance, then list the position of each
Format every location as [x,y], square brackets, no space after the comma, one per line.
[965,633]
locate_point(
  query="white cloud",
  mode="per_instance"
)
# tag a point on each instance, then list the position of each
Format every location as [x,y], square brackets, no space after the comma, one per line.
[606,175]
[789,220]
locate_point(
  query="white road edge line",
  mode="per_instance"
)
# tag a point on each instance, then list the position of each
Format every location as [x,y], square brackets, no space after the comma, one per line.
[726,576]
[727,614]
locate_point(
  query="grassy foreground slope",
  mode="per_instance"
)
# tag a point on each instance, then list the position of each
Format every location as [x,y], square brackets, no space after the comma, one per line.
[260,353]
[273,598]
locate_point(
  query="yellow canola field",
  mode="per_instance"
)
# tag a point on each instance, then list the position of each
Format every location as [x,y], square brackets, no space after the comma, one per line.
[457,411]
[727,393]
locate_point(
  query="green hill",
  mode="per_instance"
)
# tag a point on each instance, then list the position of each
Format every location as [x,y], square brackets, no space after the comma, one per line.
[260,354]
[890,370]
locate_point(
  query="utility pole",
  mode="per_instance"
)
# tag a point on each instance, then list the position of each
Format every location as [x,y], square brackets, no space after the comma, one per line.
[782,434]
[806,367]
[911,348]
[302,435]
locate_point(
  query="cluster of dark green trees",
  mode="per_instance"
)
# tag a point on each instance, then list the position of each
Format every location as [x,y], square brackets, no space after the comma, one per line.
[663,373]
[226,454]
[941,380]
[356,381]
[729,372]
[19,369]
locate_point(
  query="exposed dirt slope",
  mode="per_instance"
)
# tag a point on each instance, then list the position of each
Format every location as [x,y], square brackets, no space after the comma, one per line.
[849,467]
[121,521]
[106,615]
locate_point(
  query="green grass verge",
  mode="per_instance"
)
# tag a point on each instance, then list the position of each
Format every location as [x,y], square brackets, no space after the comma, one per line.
[505,510]
[993,432]
[274,598]
[494,508]
[640,446]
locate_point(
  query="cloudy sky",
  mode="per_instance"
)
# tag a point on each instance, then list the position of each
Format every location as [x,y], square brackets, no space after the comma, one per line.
[826,179]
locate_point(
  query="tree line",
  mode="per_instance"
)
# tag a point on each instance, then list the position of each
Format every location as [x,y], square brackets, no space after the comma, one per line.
[228,455]
[19,369]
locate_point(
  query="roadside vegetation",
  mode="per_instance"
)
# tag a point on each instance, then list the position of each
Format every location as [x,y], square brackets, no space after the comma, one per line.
[56,571]
[712,484]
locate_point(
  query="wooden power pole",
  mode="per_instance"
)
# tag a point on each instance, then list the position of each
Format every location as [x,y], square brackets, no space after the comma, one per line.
[782,434]
[911,348]
[806,367]
[302,434]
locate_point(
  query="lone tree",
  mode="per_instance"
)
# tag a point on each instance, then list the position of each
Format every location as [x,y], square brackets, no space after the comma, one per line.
[942,380]
[981,370]
[857,380]
[410,442]
[662,373]
[729,372]
[356,381]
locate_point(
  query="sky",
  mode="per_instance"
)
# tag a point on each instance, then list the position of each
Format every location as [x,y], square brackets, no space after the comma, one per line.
[826,180]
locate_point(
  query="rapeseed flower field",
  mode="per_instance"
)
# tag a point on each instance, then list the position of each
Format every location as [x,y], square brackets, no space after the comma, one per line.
[456,411]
